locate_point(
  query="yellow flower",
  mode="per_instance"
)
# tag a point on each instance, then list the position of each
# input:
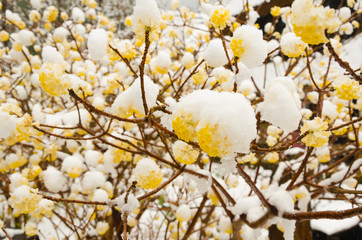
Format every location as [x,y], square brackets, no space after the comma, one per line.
[52,80]
[4,36]
[236,46]
[24,199]
[346,88]
[147,174]
[212,141]
[52,13]
[31,228]
[220,16]
[310,22]
[317,136]
[102,228]
[272,157]
[275,11]
[184,153]
[184,126]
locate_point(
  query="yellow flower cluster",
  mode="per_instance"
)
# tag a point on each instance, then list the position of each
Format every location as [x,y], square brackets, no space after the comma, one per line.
[236,46]
[310,22]
[52,80]
[24,199]
[25,128]
[275,11]
[272,157]
[220,16]
[184,153]
[52,13]
[317,135]
[184,126]
[346,88]
[45,208]
[210,138]
[212,141]
[147,174]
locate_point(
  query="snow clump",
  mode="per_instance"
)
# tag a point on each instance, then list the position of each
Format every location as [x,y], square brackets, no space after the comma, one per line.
[223,123]
[97,44]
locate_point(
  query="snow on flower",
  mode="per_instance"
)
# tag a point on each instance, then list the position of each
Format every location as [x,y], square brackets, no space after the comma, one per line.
[183,213]
[8,124]
[147,174]
[146,17]
[248,45]
[280,108]
[214,54]
[310,22]
[97,44]
[54,180]
[291,45]
[184,153]
[24,199]
[223,123]
[130,101]
[317,135]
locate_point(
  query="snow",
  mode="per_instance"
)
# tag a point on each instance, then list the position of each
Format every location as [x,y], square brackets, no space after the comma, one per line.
[126,205]
[72,162]
[51,55]
[215,54]
[26,37]
[131,98]
[97,44]
[92,180]
[338,176]
[100,195]
[93,158]
[282,200]
[255,49]
[329,226]
[8,124]
[230,112]
[54,180]
[279,108]
[60,34]
[78,15]
[289,228]
[147,13]
[183,213]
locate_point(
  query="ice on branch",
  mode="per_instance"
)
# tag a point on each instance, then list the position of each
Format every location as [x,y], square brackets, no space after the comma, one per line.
[130,101]
[222,123]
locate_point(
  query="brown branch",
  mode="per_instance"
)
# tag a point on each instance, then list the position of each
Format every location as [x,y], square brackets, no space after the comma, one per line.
[142,68]
[56,199]
[253,187]
[192,73]
[91,108]
[342,63]
[124,60]
[324,214]
[300,169]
